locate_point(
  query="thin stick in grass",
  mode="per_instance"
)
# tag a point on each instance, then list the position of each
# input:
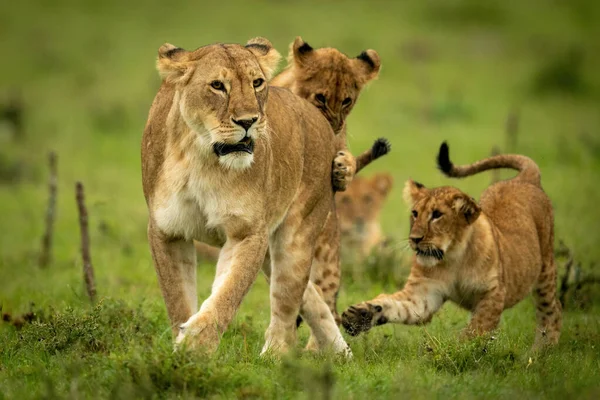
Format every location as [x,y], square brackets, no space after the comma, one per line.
[88,270]
[46,252]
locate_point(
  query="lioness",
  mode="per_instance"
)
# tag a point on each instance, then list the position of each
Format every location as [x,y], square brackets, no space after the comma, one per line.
[332,82]
[223,165]
[485,258]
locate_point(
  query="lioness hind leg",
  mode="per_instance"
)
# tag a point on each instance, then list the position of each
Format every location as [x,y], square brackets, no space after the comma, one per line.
[175,264]
[548,308]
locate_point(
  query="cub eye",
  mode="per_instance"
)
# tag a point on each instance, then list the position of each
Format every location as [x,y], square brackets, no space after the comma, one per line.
[346,200]
[217,85]
[367,199]
[347,101]
[258,82]
[320,97]
[415,214]
[436,214]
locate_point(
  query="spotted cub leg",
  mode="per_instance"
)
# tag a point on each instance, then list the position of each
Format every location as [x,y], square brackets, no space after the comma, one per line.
[548,308]
[414,305]
[344,167]
[486,315]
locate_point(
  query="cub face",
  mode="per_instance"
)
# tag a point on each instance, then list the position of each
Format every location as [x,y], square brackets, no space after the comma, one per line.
[358,210]
[439,222]
[330,80]
[222,91]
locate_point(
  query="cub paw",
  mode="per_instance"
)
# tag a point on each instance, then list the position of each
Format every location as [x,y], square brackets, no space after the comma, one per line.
[343,170]
[362,317]
[380,148]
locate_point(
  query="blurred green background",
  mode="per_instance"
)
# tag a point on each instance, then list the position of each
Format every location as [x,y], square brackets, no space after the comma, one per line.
[81,75]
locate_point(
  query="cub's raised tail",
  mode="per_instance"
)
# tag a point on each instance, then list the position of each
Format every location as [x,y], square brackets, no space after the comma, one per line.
[528,170]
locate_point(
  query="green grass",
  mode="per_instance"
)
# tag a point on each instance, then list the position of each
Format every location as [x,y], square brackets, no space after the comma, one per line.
[451,71]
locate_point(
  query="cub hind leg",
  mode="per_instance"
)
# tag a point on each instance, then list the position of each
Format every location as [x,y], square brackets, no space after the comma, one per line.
[548,310]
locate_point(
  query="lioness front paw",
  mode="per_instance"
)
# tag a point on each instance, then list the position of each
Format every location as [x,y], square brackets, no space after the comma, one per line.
[343,170]
[362,317]
[199,333]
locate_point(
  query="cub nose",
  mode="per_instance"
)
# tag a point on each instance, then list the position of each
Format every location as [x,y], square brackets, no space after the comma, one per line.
[416,239]
[245,123]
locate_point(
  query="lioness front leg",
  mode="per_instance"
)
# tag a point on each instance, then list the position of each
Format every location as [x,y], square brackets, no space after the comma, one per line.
[204,329]
[291,248]
[415,304]
[175,264]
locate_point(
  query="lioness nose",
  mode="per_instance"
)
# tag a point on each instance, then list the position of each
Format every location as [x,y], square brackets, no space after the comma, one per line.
[416,239]
[245,123]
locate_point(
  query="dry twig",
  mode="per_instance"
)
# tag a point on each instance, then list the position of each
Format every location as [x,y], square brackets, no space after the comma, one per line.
[88,270]
[46,252]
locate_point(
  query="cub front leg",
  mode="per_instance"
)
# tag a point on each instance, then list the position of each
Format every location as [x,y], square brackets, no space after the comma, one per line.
[487,312]
[344,168]
[414,305]
[242,259]
[175,265]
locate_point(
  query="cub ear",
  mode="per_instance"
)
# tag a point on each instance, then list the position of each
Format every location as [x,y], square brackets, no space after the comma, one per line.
[267,56]
[413,192]
[300,52]
[465,205]
[367,65]
[383,183]
[171,63]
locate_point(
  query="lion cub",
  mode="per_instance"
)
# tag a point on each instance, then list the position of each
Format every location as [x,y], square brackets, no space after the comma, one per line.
[358,210]
[484,257]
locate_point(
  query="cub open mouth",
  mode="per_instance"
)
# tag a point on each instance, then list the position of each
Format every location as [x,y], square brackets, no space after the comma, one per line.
[435,253]
[246,145]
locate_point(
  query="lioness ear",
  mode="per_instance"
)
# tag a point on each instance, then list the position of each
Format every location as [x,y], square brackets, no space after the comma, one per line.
[383,183]
[171,62]
[367,65]
[300,52]
[413,192]
[465,205]
[267,56]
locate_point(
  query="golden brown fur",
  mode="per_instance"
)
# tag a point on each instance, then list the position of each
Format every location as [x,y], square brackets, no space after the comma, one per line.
[329,72]
[223,165]
[358,210]
[484,257]
[332,82]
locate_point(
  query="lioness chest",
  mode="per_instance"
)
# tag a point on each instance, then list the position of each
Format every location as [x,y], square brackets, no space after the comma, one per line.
[203,206]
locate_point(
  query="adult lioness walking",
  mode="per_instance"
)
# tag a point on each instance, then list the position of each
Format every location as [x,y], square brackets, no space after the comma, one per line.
[485,258]
[223,165]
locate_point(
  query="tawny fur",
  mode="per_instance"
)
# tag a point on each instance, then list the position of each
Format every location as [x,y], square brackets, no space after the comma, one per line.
[358,210]
[486,258]
[275,198]
[328,72]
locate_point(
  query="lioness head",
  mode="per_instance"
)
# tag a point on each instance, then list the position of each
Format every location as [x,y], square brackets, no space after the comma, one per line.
[358,209]
[331,80]
[440,220]
[221,92]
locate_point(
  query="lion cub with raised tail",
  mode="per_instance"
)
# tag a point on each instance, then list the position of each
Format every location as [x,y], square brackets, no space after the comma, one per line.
[484,257]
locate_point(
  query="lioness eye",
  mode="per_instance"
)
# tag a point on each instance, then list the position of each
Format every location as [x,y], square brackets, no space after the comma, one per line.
[258,82]
[415,214]
[347,101]
[321,98]
[217,85]
[435,214]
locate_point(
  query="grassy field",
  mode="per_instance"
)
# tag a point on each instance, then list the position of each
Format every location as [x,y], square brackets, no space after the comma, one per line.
[452,70]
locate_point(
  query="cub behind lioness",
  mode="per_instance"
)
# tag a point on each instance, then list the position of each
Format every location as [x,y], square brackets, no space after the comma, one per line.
[485,258]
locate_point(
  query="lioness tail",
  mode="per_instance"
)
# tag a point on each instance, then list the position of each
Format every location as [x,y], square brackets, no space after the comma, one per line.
[528,170]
